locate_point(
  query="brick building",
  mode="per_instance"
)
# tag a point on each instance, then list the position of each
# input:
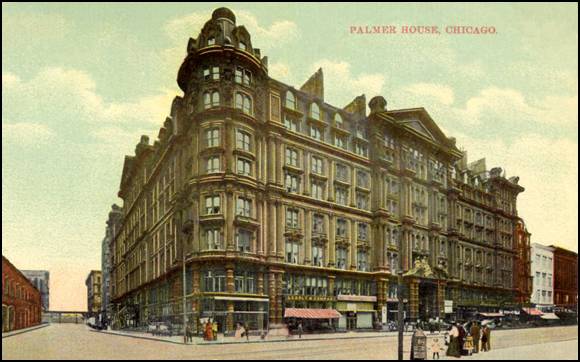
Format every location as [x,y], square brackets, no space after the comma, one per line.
[565,278]
[21,301]
[299,204]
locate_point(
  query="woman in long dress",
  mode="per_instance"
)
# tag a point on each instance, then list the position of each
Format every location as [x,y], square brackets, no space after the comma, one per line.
[453,348]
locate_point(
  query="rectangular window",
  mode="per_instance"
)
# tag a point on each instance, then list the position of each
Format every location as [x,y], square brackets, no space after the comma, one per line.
[244,207]
[292,249]
[317,165]
[243,140]
[292,183]
[363,231]
[340,141]
[213,239]
[341,172]
[244,240]
[318,224]
[316,133]
[341,195]
[291,157]
[212,137]
[362,200]
[317,255]
[291,124]
[341,228]
[213,164]
[341,257]
[362,260]
[317,190]
[244,167]
[361,149]
[363,179]
[212,205]
[292,218]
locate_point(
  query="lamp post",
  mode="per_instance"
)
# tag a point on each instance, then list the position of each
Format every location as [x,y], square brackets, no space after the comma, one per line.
[187,229]
[400,312]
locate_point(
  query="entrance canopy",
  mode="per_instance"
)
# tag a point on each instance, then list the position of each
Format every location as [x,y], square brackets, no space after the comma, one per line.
[492,315]
[307,313]
[549,316]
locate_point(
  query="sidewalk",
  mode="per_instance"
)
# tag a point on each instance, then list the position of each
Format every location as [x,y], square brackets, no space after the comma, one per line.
[24,330]
[254,339]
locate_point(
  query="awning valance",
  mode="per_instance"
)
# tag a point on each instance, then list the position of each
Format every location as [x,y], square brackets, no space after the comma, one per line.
[492,315]
[532,311]
[308,313]
[549,316]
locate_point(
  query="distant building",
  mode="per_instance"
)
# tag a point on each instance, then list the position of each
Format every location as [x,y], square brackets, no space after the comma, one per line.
[21,301]
[93,283]
[113,222]
[40,279]
[543,274]
[522,263]
[565,278]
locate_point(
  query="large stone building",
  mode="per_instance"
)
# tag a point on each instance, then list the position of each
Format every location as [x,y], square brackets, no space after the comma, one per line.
[93,283]
[21,301]
[565,279]
[543,274]
[113,223]
[290,202]
[41,280]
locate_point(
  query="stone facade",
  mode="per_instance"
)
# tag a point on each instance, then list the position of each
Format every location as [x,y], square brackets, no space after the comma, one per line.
[113,224]
[21,301]
[543,274]
[288,201]
[93,283]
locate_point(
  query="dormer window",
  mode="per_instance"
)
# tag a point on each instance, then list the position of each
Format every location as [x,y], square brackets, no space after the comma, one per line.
[243,46]
[211,41]
[315,111]
[211,73]
[243,76]
[338,121]
[290,100]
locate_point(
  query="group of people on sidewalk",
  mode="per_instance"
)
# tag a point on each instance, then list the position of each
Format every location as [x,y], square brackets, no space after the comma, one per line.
[465,343]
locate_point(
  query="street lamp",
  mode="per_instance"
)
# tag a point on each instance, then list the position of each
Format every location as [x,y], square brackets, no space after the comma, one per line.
[400,312]
[187,229]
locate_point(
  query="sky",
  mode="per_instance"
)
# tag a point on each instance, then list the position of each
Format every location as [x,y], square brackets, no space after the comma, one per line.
[82,82]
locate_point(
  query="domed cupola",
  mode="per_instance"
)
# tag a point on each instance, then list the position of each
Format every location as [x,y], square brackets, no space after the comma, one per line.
[223,13]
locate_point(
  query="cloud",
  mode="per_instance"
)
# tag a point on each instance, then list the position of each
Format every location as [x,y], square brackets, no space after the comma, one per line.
[439,93]
[71,95]
[280,71]
[341,86]
[27,133]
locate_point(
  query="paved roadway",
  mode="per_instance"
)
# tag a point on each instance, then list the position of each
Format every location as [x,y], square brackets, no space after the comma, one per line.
[69,341]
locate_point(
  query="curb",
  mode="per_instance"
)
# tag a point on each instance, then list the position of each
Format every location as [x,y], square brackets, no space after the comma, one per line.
[25,330]
[138,337]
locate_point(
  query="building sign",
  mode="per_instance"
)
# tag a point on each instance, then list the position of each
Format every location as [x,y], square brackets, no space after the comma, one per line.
[448,306]
[356,298]
[351,307]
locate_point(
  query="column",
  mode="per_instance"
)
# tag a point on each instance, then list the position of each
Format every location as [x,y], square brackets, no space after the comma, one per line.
[308,237]
[279,229]
[332,241]
[279,303]
[414,299]
[352,186]
[330,175]
[279,161]
[273,296]
[353,245]
[271,155]
[327,244]
[440,299]
[306,163]
[271,229]
[230,316]
[229,224]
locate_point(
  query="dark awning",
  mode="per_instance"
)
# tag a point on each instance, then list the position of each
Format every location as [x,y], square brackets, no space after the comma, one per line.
[308,313]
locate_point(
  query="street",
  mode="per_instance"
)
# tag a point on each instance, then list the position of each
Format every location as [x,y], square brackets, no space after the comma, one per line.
[69,341]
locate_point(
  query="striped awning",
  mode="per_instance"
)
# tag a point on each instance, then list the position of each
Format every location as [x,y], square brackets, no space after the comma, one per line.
[308,313]
[492,315]
[533,311]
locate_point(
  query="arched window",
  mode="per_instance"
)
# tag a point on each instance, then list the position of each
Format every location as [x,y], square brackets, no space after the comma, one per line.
[290,100]
[315,111]
[244,102]
[211,41]
[211,99]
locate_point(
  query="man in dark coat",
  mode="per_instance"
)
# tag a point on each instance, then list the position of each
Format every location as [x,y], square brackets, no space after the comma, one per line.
[476,335]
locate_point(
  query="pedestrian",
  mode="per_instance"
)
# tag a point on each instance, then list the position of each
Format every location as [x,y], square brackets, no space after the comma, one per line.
[476,334]
[214,330]
[300,330]
[461,339]
[486,339]
[435,348]
[247,332]
[208,331]
[188,333]
[453,349]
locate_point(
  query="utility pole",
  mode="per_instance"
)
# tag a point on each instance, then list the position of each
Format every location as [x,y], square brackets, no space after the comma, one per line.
[400,320]
[187,229]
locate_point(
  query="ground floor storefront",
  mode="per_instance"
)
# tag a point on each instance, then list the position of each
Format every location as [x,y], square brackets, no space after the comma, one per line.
[257,296]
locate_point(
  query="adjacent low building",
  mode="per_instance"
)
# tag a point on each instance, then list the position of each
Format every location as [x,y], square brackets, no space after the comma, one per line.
[565,279]
[41,280]
[281,205]
[113,222]
[543,274]
[93,284]
[21,301]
